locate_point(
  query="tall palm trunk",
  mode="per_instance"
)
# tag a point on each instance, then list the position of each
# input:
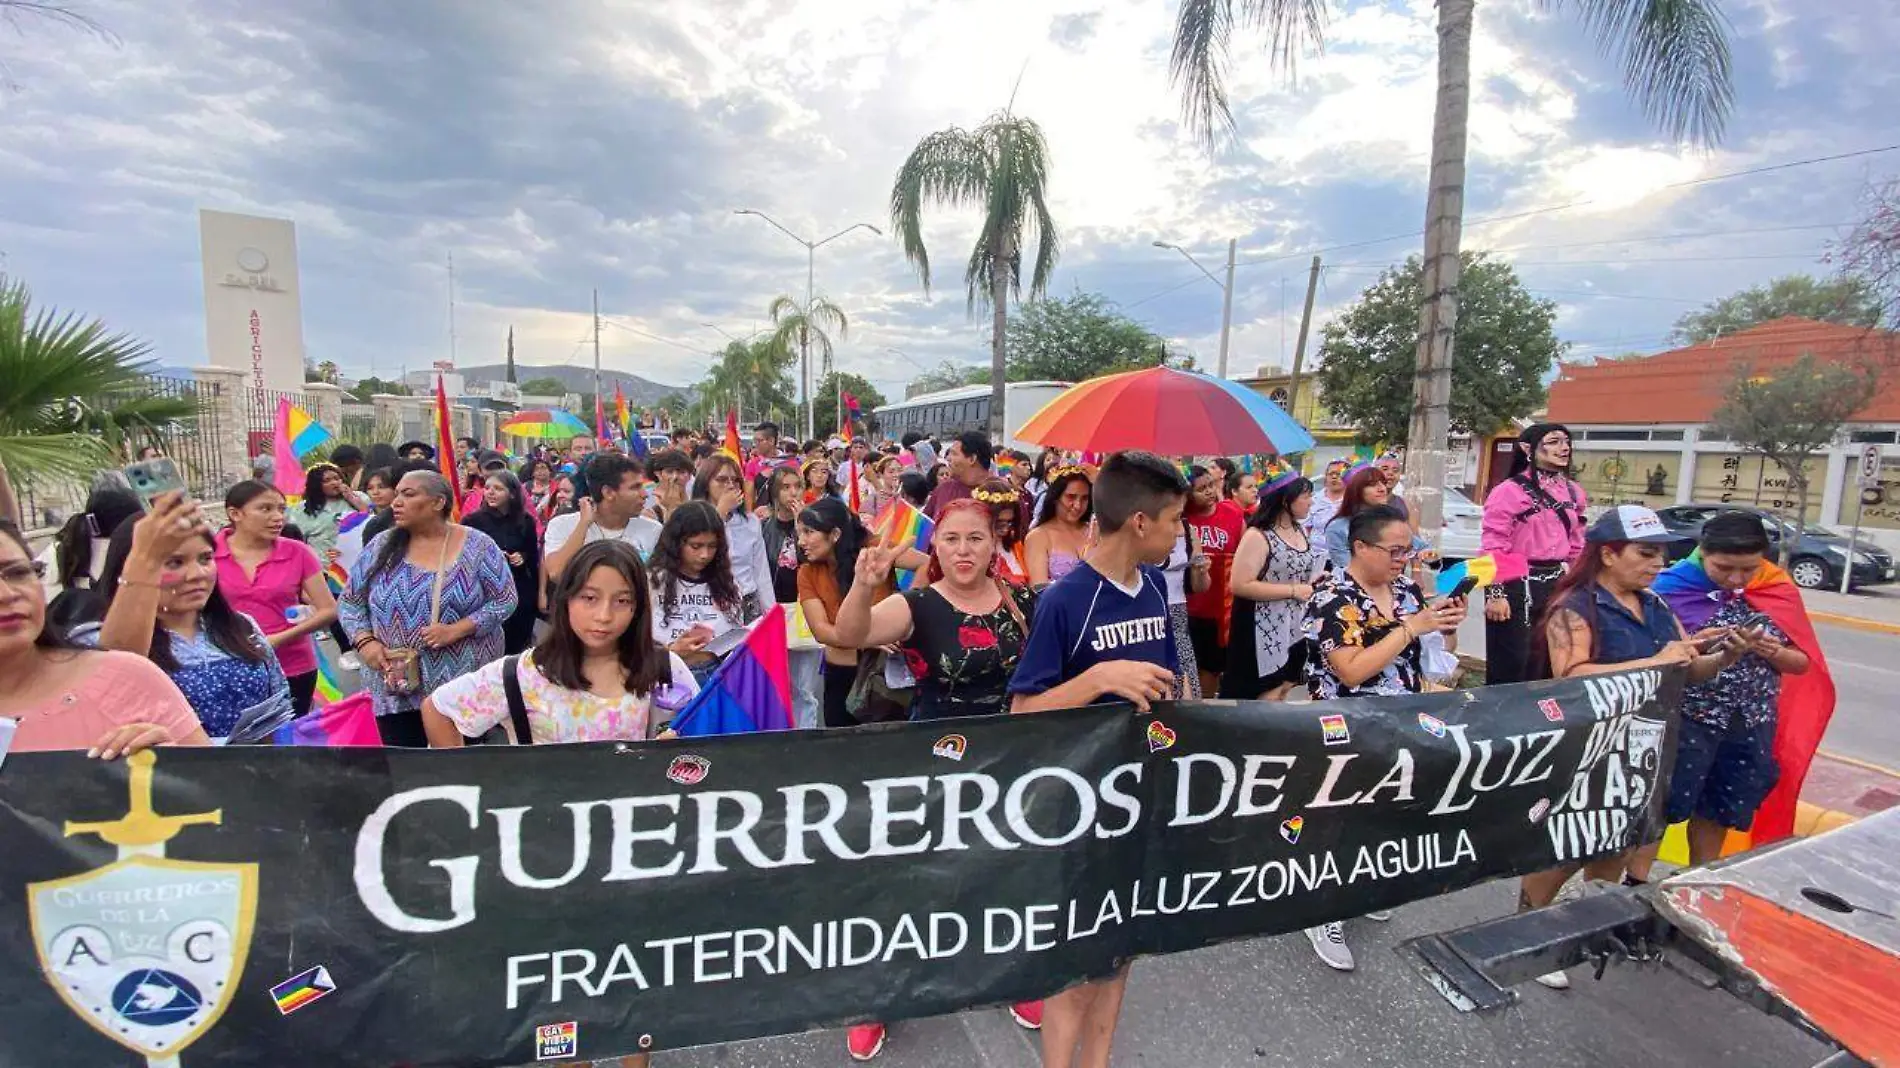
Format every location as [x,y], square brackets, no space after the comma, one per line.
[1002,269]
[1429,440]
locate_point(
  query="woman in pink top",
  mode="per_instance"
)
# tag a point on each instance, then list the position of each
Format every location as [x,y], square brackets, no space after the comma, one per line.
[1536,514]
[57,696]
[270,578]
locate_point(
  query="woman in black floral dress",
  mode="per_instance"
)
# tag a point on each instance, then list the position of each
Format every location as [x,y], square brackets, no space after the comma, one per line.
[963,633]
[962,636]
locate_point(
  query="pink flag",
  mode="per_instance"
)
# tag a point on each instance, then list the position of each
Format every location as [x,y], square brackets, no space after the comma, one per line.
[288,472]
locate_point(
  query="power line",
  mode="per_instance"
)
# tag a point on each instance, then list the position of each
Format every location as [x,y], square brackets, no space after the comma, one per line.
[1486,220]
[1671,237]
[653,337]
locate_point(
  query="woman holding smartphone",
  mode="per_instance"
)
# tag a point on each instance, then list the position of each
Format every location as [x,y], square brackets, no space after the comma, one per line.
[1603,617]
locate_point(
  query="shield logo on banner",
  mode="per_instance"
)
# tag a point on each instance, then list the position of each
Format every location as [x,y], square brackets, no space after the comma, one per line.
[147,950]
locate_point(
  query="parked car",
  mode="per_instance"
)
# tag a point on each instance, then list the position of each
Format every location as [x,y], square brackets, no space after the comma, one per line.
[1816,559]
[1459,538]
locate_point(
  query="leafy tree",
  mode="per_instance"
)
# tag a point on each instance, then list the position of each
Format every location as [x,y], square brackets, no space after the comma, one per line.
[750,376]
[1675,60]
[674,405]
[70,393]
[1789,415]
[1871,251]
[543,387]
[825,401]
[1068,339]
[366,388]
[1002,169]
[948,375]
[327,371]
[1505,346]
[1847,300]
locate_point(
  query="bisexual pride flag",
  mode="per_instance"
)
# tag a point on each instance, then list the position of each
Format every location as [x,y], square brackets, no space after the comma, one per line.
[751,691]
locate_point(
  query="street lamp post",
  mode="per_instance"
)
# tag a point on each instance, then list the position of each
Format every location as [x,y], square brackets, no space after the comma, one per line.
[1227,294]
[811,259]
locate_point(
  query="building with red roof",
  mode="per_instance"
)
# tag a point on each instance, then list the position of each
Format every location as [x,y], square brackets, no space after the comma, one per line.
[1640,436]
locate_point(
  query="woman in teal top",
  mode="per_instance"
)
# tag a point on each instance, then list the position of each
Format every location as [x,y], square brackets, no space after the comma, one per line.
[326,499]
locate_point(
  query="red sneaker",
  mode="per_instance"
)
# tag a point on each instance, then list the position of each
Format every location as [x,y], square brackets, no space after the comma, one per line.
[864,1041]
[1027,1014]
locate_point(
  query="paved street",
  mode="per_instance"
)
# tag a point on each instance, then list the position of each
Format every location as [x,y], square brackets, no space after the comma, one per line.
[1866,667]
[1269,1002]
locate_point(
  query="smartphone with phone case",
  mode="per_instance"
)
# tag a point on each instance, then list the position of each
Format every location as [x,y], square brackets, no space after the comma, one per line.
[1464,587]
[152,479]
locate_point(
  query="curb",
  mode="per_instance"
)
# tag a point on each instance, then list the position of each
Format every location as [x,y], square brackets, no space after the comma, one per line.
[1854,622]
[1811,820]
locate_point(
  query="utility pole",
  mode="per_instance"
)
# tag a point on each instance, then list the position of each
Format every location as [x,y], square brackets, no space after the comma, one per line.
[1227,295]
[451,308]
[1299,346]
[1428,439]
[596,361]
[811,296]
[1227,305]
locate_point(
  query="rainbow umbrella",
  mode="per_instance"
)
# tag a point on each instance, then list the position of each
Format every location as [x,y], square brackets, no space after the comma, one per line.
[544,423]
[1173,413]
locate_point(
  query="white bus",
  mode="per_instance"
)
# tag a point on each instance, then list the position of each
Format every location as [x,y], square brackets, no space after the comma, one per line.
[947,413]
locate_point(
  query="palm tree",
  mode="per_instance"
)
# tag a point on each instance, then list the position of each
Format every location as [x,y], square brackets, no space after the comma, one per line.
[69,392]
[1001,167]
[1675,59]
[800,328]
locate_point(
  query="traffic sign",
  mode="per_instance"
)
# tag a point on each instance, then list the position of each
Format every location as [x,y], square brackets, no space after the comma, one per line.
[1869,467]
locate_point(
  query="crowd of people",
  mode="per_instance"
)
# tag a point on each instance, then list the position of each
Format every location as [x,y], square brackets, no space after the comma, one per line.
[581,595]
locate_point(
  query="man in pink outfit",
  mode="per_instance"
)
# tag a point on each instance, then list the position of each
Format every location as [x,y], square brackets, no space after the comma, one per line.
[1537,514]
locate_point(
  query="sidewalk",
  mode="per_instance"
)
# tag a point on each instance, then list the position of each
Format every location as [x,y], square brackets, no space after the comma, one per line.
[1874,609]
[1840,790]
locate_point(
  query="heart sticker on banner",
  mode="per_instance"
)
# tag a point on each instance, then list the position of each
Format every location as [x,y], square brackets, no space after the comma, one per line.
[1290,829]
[1431,724]
[1160,736]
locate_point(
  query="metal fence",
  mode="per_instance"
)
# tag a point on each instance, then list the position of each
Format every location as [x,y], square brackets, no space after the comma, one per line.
[191,442]
[260,410]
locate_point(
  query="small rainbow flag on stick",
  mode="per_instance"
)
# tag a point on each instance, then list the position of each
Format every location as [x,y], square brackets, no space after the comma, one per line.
[293,434]
[900,524]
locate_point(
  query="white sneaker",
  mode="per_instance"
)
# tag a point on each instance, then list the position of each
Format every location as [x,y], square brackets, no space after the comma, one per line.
[350,662]
[1329,942]
[1554,981]
[1380,916]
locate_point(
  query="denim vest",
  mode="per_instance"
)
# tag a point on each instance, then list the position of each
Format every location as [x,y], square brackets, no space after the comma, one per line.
[1621,637]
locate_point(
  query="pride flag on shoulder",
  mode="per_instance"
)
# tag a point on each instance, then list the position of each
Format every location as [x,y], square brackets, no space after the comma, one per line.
[751,691]
[1807,700]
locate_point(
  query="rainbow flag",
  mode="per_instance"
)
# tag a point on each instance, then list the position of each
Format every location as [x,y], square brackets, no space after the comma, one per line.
[304,431]
[621,414]
[900,524]
[730,444]
[445,437]
[286,471]
[300,990]
[1807,700]
[751,691]
[348,722]
[1489,569]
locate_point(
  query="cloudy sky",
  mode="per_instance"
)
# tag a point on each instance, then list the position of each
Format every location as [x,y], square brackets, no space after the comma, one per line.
[564,145]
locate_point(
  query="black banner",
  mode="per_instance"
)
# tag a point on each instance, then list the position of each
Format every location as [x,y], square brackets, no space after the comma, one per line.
[494,906]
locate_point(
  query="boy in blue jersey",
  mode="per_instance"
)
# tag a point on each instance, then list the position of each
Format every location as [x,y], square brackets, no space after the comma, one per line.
[1102,631]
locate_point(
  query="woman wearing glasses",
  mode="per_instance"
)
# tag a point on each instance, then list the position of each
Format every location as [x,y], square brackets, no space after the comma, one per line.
[1366,622]
[719,481]
[61,697]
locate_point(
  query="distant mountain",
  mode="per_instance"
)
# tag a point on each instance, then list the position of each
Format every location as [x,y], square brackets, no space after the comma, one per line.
[641,392]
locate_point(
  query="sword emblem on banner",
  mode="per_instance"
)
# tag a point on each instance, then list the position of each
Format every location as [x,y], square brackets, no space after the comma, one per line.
[147,950]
